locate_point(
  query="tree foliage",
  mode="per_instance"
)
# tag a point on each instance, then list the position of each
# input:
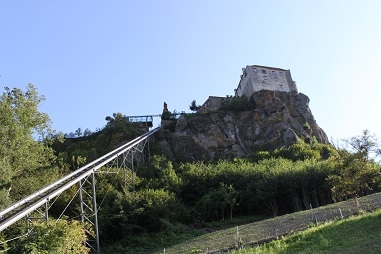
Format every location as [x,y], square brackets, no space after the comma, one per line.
[353,178]
[22,123]
[194,106]
[304,151]
[238,103]
[363,145]
[161,174]
[146,210]
[115,117]
[356,174]
[75,152]
[57,237]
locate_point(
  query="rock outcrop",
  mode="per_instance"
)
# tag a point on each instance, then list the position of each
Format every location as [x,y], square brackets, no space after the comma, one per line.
[277,119]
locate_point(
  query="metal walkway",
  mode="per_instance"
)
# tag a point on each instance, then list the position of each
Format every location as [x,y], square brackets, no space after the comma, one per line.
[121,156]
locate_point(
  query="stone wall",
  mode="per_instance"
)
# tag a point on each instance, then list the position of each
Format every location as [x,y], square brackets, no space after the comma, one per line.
[213,103]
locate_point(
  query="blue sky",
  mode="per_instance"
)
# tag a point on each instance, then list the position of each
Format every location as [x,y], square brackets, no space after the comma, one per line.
[93,58]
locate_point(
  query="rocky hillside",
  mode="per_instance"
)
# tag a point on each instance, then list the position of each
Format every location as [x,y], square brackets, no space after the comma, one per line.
[276,119]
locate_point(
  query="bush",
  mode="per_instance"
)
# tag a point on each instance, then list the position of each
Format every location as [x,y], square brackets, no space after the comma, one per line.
[148,211]
[238,103]
[61,236]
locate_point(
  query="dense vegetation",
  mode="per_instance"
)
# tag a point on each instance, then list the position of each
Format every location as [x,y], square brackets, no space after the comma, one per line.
[168,198]
[19,152]
[75,152]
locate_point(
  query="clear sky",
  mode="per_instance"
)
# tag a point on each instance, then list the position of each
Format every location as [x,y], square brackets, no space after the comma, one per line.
[93,58]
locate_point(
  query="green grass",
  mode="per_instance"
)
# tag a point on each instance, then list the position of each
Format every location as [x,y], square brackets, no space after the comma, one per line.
[360,234]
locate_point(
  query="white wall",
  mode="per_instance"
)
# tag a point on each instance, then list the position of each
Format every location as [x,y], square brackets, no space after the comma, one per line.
[256,78]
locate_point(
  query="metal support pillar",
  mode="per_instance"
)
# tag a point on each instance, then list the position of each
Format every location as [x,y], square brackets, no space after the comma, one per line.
[46,213]
[81,202]
[95,213]
[89,212]
[27,224]
[133,170]
[41,214]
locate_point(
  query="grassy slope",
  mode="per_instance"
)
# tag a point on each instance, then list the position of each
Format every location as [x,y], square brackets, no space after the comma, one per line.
[267,230]
[361,234]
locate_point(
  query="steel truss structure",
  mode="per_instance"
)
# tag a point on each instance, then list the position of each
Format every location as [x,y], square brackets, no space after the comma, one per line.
[126,157]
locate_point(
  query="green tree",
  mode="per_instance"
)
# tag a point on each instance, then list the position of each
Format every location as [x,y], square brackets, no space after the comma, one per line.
[161,175]
[166,115]
[22,124]
[147,210]
[357,173]
[363,145]
[78,132]
[230,197]
[354,177]
[298,151]
[118,116]
[87,132]
[194,106]
[212,205]
[109,119]
[57,237]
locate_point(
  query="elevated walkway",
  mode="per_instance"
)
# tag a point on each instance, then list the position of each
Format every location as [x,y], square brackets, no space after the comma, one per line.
[148,119]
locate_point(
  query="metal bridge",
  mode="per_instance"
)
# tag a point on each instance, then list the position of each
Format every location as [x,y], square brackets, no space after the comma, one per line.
[148,119]
[123,157]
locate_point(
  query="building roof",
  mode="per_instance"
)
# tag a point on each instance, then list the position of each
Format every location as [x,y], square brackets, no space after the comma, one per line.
[219,97]
[267,67]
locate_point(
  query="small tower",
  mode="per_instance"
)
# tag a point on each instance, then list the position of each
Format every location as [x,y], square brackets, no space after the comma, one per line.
[166,115]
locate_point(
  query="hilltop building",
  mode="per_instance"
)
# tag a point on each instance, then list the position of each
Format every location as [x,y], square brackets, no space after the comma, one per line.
[213,103]
[255,78]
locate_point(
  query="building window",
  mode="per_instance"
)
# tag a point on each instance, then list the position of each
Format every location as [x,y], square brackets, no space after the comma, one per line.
[281,73]
[255,70]
[265,77]
[273,72]
[276,79]
[263,71]
[263,83]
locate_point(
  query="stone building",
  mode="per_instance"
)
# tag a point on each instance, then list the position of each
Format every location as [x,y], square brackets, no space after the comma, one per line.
[213,103]
[255,78]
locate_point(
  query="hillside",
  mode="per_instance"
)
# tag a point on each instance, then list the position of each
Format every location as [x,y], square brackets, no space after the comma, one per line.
[75,152]
[265,231]
[278,162]
[174,199]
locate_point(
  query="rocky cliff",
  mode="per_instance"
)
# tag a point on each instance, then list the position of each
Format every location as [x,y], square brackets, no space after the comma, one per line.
[276,119]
